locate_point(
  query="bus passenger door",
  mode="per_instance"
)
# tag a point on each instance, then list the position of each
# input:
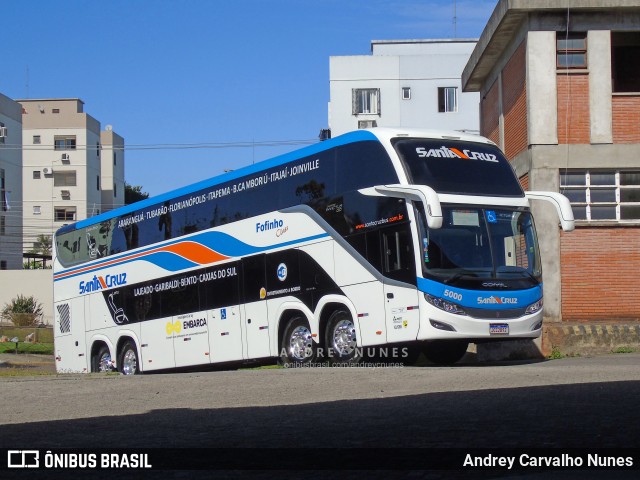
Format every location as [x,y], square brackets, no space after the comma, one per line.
[221,296]
[255,320]
[401,302]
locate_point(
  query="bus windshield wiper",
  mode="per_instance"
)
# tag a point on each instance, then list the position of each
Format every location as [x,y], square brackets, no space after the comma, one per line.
[459,275]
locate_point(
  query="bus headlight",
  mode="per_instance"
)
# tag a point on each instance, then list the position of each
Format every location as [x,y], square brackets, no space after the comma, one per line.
[444,305]
[534,307]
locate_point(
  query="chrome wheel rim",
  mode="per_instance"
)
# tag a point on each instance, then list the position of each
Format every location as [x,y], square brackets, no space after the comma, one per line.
[344,337]
[104,362]
[300,344]
[129,362]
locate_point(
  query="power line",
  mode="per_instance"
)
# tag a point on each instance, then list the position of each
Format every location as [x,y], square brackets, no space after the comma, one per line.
[163,146]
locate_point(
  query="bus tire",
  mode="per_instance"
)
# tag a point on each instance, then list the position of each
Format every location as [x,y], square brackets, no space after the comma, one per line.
[101,361]
[297,344]
[128,363]
[445,352]
[341,339]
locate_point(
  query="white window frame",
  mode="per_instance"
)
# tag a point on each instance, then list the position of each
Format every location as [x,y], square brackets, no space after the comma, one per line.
[444,105]
[365,101]
[591,190]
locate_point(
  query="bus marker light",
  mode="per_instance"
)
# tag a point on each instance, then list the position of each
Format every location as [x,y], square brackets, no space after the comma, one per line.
[379,332]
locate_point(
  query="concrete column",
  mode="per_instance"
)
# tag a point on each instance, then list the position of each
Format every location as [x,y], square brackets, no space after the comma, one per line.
[542,96]
[600,85]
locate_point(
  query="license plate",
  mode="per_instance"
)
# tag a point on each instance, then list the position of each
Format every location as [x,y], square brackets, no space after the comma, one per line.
[499,329]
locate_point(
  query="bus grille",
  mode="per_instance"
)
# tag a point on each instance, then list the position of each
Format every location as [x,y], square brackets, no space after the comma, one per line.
[487,314]
[65,317]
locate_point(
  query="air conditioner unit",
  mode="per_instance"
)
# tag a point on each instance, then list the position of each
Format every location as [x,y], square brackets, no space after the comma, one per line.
[3,132]
[47,171]
[65,157]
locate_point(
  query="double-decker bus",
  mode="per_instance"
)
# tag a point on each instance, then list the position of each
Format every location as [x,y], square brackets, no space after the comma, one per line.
[381,237]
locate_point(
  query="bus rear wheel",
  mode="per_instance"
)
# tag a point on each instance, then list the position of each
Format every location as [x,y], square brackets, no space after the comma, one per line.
[128,364]
[445,352]
[341,339]
[101,361]
[297,343]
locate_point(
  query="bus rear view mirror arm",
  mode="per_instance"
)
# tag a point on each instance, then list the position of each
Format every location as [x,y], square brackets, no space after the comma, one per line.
[562,204]
[420,193]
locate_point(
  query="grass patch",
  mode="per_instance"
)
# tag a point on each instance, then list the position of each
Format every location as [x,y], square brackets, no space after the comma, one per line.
[37,348]
[624,349]
[23,372]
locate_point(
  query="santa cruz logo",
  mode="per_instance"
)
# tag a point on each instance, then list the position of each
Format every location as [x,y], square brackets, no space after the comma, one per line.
[497,301]
[450,152]
[100,283]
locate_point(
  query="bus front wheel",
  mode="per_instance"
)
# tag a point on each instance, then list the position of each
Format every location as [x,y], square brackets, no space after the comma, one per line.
[445,352]
[341,338]
[128,364]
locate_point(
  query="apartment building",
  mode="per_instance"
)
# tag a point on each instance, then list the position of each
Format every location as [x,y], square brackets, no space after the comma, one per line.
[559,83]
[71,169]
[10,184]
[403,83]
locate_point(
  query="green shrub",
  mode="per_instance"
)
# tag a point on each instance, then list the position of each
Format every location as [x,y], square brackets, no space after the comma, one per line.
[22,311]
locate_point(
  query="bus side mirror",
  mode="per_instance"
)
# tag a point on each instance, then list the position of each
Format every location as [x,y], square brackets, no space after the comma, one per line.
[562,204]
[418,193]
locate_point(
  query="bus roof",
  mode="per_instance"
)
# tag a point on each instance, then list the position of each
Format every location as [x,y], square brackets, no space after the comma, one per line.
[382,134]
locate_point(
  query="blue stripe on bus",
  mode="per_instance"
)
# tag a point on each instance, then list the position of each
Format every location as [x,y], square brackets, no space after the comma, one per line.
[495,300]
[219,242]
[352,137]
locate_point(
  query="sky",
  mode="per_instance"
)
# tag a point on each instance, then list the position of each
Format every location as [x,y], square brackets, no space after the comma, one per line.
[197,87]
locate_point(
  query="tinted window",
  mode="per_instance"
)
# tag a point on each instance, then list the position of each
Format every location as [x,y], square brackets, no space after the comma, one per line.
[455,167]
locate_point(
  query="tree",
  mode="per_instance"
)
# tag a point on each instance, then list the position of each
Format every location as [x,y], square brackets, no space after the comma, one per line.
[42,245]
[23,311]
[133,194]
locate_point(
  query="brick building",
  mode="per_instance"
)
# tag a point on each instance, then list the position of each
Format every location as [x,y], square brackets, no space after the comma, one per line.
[559,83]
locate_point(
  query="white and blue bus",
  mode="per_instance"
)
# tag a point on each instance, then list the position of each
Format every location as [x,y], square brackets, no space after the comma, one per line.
[381,237]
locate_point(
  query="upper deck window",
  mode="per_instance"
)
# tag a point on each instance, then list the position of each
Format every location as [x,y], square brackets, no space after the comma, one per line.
[456,167]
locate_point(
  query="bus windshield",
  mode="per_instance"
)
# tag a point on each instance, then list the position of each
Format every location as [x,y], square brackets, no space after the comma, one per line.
[479,244]
[456,167]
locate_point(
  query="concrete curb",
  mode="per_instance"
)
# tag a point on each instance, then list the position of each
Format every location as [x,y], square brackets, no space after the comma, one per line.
[590,338]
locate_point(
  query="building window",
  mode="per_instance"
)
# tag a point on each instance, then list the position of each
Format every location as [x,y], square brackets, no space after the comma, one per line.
[36,210]
[115,160]
[3,191]
[64,179]
[97,149]
[64,142]
[625,70]
[602,195]
[55,110]
[115,190]
[571,50]
[37,140]
[447,99]
[36,174]
[3,264]
[365,101]
[98,182]
[3,225]
[406,93]
[64,214]
[3,132]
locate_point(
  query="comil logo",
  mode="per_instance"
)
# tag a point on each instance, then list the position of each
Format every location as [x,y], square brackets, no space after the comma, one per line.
[450,152]
[100,283]
[282,272]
